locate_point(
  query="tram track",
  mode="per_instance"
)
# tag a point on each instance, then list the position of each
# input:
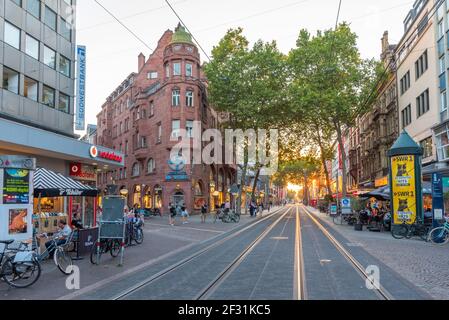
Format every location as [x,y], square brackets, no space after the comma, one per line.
[192,258]
[380,291]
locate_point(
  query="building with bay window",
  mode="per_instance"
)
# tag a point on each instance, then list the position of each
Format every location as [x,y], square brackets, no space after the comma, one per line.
[143,118]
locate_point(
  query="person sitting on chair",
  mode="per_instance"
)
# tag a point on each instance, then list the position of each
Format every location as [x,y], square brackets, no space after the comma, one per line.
[61,237]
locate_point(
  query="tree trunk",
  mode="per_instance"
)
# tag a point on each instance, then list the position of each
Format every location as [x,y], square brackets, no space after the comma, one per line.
[242,185]
[343,160]
[323,161]
[256,178]
[306,190]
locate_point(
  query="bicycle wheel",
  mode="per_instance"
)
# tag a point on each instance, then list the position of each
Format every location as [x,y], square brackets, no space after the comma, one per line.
[21,275]
[63,260]
[237,218]
[115,248]
[399,232]
[439,236]
[95,253]
[423,233]
[138,234]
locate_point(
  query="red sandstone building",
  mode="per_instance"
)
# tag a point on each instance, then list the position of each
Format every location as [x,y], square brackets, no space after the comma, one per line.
[167,93]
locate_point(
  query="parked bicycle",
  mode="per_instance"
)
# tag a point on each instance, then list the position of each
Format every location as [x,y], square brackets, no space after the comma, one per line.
[134,232]
[440,236]
[408,231]
[61,256]
[113,246]
[227,216]
[19,267]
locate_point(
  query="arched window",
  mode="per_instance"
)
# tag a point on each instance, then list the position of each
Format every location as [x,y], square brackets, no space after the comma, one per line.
[136,169]
[151,166]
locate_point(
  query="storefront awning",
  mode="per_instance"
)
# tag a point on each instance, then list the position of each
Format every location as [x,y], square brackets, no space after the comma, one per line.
[50,184]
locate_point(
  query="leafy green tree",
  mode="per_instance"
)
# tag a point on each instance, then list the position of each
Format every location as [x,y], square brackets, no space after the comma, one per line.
[249,84]
[331,85]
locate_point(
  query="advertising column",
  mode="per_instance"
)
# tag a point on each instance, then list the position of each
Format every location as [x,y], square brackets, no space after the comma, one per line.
[16,197]
[406,180]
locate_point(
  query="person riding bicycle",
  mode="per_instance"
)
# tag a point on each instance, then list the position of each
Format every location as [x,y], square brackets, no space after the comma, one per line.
[60,237]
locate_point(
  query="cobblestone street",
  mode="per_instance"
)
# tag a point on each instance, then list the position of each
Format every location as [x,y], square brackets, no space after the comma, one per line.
[423,264]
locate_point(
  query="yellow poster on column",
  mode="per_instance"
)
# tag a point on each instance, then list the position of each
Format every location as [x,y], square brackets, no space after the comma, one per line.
[404,189]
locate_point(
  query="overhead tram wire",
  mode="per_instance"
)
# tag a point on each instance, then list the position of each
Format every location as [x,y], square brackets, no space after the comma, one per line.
[185,26]
[127,28]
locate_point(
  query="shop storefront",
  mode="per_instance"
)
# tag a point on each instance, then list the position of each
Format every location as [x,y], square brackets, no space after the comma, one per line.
[60,198]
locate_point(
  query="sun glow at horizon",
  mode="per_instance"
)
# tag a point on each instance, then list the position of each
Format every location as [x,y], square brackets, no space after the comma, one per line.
[294,187]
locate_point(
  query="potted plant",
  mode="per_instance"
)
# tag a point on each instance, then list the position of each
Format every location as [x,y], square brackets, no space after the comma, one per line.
[357,206]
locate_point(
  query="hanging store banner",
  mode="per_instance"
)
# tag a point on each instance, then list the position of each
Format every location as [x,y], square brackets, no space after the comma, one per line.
[404,189]
[80,121]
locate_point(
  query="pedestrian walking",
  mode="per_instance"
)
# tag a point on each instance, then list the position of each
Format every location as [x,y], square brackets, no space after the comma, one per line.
[203,213]
[172,215]
[184,215]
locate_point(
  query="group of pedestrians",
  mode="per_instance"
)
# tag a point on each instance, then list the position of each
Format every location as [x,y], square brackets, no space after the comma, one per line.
[255,209]
[178,210]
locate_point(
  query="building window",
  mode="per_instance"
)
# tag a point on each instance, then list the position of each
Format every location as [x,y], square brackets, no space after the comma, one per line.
[443,102]
[176,98]
[152,75]
[405,83]
[32,47]
[18,2]
[422,103]
[136,170]
[50,18]
[151,109]
[11,80]
[30,89]
[167,70]
[189,98]
[66,30]
[406,116]
[34,7]
[421,65]
[143,142]
[64,103]
[49,57]
[189,128]
[427,146]
[159,133]
[12,35]
[48,96]
[189,70]
[176,129]
[64,66]
[177,68]
[151,167]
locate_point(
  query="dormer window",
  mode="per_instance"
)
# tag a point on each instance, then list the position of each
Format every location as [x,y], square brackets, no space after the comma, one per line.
[152,75]
[177,47]
[190,49]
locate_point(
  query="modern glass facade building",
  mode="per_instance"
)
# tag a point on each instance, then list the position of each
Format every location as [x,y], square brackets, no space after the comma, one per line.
[37,63]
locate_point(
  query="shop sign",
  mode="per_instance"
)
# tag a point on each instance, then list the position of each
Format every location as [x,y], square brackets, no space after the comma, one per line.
[381,182]
[81,89]
[70,193]
[82,172]
[404,189]
[16,186]
[17,162]
[111,156]
[346,206]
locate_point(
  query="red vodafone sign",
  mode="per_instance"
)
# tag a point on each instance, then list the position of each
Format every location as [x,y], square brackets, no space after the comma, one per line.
[111,156]
[82,172]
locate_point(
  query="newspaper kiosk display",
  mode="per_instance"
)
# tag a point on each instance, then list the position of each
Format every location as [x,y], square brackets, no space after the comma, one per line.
[112,224]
